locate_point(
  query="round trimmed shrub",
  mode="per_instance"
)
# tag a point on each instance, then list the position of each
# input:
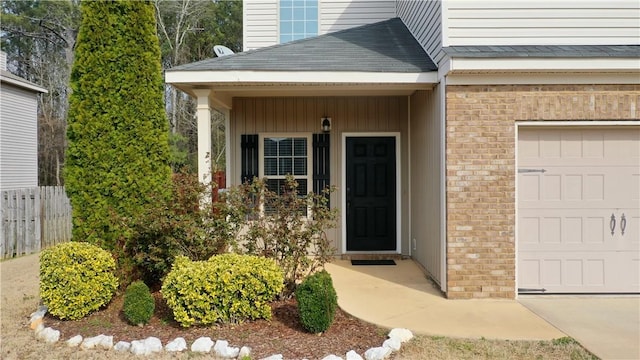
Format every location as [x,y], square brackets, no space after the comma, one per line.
[225,288]
[76,278]
[317,302]
[139,304]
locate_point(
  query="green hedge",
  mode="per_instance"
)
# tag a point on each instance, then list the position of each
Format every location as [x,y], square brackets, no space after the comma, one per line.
[139,304]
[226,288]
[317,302]
[76,278]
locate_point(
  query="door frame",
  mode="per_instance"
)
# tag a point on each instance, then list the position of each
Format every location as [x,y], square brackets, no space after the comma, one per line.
[343,191]
[521,125]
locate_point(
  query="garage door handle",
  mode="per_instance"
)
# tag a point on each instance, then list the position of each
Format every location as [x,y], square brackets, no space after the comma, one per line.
[612,224]
[623,223]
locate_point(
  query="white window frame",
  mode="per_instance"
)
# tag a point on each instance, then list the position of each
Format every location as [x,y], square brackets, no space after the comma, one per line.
[309,176]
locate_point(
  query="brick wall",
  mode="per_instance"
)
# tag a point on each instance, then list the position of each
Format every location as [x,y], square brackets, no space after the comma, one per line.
[480,180]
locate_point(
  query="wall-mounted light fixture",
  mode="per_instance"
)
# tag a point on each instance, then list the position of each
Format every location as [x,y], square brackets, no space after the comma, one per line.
[325,123]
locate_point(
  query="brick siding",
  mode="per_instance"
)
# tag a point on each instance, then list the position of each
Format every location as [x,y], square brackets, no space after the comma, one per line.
[480,179]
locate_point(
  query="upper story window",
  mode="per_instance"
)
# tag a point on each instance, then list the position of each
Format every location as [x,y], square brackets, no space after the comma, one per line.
[298,19]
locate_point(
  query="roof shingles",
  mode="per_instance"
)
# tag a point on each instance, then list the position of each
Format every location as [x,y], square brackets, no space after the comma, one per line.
[386,46]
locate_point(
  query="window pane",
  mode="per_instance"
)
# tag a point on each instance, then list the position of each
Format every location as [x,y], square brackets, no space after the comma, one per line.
[286,27]
[298,27]
[300,166]
[311,14]
[298,14]
[286,166]
[312,27]
[300,147]
[312,3]
[285,147]
[285,3]
[286,38]
[271,166]
[270,147]
[298,36]
[286,14]
[298,2]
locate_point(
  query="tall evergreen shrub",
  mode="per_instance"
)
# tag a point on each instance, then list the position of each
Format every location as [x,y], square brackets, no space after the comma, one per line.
[117,159]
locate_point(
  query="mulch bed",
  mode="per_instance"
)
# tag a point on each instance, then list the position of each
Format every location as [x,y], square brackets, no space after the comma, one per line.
[283,334]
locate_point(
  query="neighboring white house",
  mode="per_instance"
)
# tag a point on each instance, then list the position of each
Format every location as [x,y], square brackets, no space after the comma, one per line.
[496,143]
[18,130]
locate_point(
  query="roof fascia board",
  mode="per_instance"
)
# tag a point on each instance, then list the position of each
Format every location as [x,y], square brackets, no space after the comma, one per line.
[544,78]
[294,77]
[544,64]
[23,84]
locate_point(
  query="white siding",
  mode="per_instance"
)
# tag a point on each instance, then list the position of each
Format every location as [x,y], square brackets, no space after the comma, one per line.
[303,114]
[535,22]
[425,138]
[344,14]
[260,18]
[18,138]
[259,23]
[423,19]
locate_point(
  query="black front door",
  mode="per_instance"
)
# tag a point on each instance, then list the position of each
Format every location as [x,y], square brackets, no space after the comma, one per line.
[371,193]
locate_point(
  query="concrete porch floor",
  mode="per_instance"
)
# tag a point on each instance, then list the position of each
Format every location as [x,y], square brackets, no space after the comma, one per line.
[401,296]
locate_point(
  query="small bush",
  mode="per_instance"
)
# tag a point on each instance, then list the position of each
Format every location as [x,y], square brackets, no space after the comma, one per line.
[76,278]
[317,302]
[298,243]
[226,288]
[181,226]
[138,303]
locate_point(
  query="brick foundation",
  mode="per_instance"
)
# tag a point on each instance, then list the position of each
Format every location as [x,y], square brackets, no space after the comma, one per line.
[480,171]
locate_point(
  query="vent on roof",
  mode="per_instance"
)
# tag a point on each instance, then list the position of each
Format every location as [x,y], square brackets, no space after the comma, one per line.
[221,50]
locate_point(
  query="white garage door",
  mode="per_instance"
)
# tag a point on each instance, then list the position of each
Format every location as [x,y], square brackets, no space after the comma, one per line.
[579,210]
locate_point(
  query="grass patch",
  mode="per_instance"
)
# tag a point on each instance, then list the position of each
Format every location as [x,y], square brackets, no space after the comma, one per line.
[438,347]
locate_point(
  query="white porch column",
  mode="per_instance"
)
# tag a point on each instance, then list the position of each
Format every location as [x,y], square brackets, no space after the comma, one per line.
[204,135]
[227,146]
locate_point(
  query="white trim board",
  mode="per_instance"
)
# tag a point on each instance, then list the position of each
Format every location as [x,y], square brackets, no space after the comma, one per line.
[297,77]
[543,78]
[343,192]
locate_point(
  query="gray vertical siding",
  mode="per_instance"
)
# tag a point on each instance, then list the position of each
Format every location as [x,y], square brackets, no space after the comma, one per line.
[424,20]
[426,185]
[18,138]
[303,114]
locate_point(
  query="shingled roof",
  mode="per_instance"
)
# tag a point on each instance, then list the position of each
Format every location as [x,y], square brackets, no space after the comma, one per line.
[386,46]
[544,51]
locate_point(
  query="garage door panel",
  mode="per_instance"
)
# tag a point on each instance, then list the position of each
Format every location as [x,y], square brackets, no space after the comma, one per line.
[574,181]
[579,272]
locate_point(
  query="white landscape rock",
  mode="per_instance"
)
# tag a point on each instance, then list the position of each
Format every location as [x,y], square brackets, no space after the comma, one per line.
[49,335]
[332,357]
[352,355]
[122,346]
[153,344]
[74,341]
[203,344]
[103,341]
[178,344]
[245,352]
[38,314]
[392,343]
[402,335]
[377,353]
[138,347]
[274,357]
[222,349]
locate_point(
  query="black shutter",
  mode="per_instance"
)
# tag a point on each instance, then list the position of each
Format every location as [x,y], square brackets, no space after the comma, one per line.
[321,162]
[249,153]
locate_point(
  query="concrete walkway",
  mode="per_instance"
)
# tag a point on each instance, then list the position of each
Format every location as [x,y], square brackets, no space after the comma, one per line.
[401,296]
[608,326]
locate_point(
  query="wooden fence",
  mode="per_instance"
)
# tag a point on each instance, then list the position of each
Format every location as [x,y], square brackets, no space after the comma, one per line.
[33,219]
